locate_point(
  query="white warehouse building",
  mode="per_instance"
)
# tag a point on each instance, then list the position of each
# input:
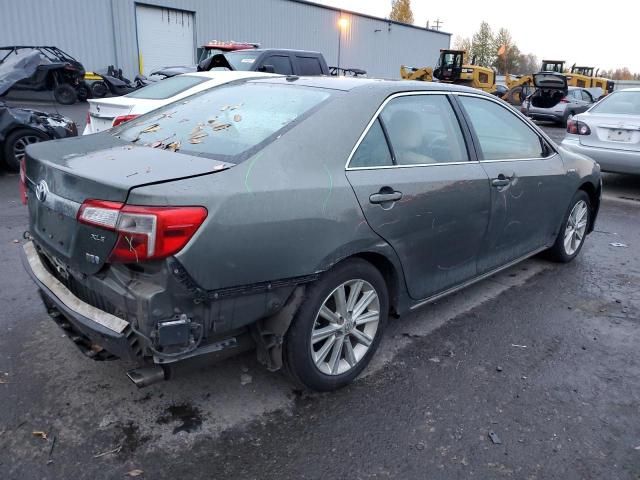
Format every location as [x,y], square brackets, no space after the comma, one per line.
[140,36]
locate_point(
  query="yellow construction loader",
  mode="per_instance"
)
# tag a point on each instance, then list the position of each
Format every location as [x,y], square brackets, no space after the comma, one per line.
[584,77]
[452,69]
[423,74]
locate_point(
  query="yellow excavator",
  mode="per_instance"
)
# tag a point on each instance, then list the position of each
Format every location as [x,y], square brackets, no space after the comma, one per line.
[584,77]
[452,69]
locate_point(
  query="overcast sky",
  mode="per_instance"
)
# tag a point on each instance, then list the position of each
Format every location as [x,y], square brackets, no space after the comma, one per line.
[602,34]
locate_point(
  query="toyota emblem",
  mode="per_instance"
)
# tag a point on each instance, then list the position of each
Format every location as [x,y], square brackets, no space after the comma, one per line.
[41,190]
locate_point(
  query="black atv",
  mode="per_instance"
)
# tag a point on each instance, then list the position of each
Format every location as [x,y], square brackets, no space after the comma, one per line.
[41,68]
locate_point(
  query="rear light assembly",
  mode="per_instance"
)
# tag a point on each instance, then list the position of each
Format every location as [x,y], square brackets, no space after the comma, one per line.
[88,118]
[576,127]
[144,232]
[564,100]
[23,181]
[123,118]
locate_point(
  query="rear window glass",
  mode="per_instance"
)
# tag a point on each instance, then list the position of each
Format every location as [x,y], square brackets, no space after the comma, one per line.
[227,122]
[620,103]
[168,88]
[309,66]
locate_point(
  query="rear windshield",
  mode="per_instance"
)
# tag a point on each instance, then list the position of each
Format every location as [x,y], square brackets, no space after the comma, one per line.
[228,122]
[620,103]
[167,88]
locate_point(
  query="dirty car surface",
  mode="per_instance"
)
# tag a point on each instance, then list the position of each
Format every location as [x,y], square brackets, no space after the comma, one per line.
[21,126]
[292,215]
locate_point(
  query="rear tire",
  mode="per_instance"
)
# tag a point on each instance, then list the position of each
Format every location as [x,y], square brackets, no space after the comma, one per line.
[345,312]
[15,144]
[65,94]
[83,92]
[99,89]
[573,230]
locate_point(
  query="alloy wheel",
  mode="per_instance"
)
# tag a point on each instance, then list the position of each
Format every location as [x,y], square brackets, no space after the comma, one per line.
[345,327]
[21,144]
[576,227]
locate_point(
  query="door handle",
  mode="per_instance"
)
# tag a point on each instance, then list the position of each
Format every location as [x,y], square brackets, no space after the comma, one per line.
[385,197]
[501,181]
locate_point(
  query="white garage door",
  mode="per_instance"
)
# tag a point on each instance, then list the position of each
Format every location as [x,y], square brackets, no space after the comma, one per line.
[165,38]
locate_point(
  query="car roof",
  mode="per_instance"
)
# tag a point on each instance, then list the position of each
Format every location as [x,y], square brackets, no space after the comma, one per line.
[379,85]
[228,75]
[276,50]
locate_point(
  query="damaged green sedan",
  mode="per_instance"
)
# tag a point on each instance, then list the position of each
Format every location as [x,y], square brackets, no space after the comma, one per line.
[293,216]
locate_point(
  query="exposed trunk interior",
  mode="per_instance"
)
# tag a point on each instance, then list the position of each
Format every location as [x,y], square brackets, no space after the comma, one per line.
[546,98]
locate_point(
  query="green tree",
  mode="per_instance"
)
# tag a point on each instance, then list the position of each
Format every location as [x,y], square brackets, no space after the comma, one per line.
[401,11]
[483,46]
[527,64]
[507,52]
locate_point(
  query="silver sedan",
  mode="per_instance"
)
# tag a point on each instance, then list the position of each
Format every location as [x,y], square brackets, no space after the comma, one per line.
[609,132]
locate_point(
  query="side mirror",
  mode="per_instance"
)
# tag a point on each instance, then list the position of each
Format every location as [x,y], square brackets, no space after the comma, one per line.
[267,69]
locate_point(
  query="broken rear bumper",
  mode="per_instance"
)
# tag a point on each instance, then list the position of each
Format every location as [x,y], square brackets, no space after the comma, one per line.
[86,325]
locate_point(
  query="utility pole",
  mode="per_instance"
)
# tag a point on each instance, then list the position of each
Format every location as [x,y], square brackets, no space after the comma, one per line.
[436,24]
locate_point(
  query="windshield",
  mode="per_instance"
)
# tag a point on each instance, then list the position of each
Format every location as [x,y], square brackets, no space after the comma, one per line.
[167,88]
[227,122]
[619,103]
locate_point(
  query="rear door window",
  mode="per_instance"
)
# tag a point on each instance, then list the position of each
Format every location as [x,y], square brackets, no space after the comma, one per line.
[423,129]
[373,151]
[228,122]
[502,135]
[586,96]
[280,63]
[309,65]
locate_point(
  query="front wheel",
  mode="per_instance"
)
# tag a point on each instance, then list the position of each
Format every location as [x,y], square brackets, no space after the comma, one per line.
[338,327]
[573,230]
[16,143]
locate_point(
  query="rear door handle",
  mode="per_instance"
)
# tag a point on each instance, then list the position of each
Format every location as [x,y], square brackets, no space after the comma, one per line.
[501,181]
[378,198]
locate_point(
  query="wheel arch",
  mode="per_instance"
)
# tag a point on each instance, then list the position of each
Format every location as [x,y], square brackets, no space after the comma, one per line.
[391,274]
[594,199]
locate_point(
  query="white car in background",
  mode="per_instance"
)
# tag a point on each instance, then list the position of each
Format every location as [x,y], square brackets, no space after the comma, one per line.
[105,113]
[609,132]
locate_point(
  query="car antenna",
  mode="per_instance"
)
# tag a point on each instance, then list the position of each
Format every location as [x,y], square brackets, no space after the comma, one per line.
[292,78]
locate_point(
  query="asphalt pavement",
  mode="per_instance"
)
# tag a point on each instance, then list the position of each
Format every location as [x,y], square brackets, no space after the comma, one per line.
[531,374]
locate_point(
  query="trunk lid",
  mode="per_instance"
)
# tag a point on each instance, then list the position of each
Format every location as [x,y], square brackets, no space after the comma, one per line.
[59,179]
[618,132]
[550,80]
[103,112]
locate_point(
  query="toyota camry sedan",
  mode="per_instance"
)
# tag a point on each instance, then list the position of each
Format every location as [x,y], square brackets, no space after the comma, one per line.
[609,132]
[293,216]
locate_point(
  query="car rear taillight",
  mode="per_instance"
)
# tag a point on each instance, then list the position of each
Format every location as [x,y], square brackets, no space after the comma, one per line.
[122,119]
[23,181]
[144,233]
[578,128]
[88,118]
[564,100]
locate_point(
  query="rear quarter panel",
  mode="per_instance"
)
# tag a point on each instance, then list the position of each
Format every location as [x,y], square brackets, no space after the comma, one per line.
[287,211]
